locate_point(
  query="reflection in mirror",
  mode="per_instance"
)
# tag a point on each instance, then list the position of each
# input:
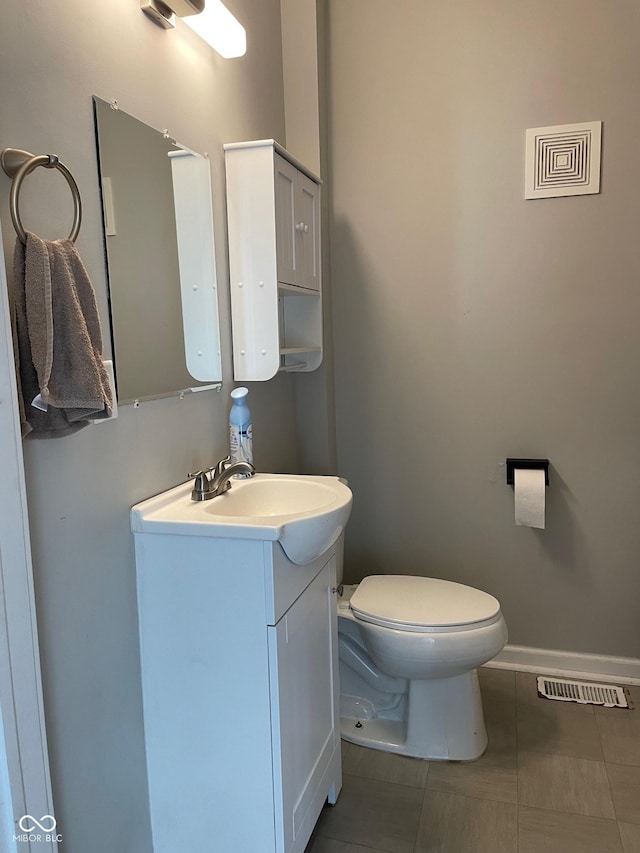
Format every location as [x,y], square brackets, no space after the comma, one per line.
[158,226]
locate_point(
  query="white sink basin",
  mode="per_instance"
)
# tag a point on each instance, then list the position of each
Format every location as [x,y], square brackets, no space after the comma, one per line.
[305,514]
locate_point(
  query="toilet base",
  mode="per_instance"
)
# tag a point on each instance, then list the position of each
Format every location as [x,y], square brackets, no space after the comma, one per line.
[443,722]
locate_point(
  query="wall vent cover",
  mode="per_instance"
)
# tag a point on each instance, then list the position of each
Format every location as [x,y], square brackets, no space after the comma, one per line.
[582,692]
[563,160]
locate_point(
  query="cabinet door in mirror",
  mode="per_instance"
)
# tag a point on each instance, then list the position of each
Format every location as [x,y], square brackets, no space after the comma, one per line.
[160,251]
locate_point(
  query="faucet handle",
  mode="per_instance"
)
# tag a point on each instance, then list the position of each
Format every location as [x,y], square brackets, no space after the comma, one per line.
[220,466]
[202,485]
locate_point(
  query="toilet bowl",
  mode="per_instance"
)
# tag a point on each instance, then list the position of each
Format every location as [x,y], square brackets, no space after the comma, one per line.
[409,648]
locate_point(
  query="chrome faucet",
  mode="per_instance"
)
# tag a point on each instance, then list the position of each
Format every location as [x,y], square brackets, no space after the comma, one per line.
[216,480]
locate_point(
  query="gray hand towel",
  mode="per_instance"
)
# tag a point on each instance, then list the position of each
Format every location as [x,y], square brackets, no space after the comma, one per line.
[59,340]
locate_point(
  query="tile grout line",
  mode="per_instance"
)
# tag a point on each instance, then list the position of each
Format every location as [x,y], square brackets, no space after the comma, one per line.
[622,847]
[613,802]
[468,796]
[422,808]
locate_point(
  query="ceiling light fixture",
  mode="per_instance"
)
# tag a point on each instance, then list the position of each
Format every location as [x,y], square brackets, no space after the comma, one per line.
[212,21]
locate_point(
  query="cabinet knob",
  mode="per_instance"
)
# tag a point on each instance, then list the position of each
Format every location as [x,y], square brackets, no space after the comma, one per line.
[300,226]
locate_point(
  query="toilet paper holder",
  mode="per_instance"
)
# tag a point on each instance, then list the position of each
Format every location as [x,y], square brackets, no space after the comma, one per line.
[512,464]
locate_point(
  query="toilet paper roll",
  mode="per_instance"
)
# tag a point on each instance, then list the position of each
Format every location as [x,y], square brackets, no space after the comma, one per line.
[529,494]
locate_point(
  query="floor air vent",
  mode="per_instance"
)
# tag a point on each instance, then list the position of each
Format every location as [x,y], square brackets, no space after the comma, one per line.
[583,692]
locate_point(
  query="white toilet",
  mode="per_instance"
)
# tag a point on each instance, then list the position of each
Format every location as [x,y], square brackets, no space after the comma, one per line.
[409,648]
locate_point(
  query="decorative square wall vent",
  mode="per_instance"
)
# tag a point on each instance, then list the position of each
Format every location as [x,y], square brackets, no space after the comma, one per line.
[563,160]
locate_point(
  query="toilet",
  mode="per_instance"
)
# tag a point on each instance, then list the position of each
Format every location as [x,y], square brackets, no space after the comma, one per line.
[409,648]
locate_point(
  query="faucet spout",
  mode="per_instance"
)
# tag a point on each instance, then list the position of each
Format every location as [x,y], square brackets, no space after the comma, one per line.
[222,480]
[217,479]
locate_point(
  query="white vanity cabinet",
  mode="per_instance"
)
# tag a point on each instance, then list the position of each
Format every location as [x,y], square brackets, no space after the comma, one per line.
[273,220]
[240,692]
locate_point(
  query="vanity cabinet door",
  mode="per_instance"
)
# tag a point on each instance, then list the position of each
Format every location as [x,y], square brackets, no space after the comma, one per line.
[305,736]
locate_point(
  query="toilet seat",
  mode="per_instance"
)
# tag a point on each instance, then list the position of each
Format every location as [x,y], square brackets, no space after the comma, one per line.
[419,604]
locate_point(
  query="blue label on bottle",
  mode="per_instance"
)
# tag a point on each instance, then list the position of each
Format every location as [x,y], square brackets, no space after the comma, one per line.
[241,443]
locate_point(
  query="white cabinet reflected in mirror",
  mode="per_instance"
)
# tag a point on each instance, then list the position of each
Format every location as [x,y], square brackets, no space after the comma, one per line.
[160,251]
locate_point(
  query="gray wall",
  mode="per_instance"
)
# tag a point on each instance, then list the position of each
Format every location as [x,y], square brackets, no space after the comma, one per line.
[471,325]
[53,57]
[304,36]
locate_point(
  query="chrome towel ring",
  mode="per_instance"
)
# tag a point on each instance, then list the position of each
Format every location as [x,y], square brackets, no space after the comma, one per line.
[17,164]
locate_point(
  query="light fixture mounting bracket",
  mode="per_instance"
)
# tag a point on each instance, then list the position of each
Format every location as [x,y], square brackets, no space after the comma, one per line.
[164,13]
[159,13]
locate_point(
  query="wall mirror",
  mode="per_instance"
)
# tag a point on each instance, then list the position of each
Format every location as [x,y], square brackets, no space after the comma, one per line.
[160,251]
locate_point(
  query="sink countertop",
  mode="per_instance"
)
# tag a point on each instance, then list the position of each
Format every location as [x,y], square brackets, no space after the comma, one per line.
[305,513]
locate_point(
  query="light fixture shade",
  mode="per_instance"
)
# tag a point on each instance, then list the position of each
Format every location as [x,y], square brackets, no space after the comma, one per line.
[220,29]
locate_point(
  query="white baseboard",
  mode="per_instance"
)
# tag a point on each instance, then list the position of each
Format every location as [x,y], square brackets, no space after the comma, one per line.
[568,664]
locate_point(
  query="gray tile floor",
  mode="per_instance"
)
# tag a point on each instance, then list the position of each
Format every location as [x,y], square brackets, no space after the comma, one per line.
[556,778]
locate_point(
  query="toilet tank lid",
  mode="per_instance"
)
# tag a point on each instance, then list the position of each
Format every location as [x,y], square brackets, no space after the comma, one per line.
[419,601]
